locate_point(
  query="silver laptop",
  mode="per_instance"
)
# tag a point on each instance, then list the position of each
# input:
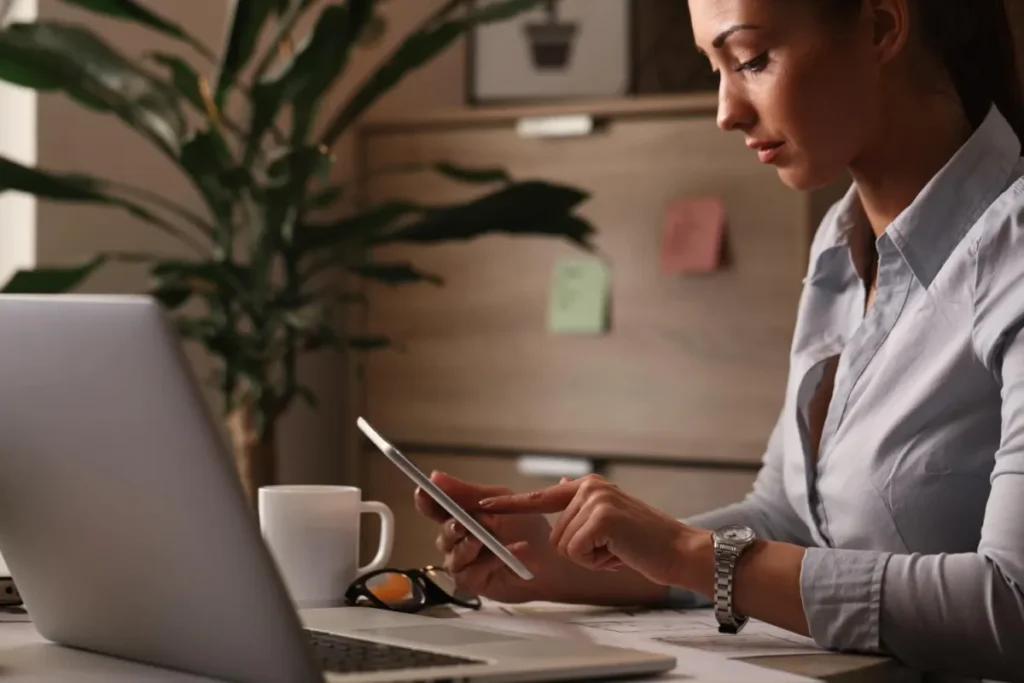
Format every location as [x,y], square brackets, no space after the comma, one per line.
[126,530]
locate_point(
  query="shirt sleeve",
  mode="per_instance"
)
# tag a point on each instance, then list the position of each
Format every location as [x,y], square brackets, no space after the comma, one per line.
[954,613]
[766,510]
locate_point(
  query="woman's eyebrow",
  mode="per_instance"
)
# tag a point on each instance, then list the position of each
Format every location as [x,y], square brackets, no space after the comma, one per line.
[720,39]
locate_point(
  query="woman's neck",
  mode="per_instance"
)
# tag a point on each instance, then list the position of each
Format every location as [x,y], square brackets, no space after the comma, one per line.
[913,143]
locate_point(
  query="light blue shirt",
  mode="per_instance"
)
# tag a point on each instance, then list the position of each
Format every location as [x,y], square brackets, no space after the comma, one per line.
[913,513]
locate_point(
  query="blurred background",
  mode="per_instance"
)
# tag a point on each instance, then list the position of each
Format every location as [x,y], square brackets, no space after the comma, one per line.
[653,352]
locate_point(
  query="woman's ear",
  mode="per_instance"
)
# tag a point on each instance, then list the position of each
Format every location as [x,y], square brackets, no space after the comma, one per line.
[890,21]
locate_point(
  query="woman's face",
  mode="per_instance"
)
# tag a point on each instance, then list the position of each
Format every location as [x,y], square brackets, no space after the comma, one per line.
[802,91]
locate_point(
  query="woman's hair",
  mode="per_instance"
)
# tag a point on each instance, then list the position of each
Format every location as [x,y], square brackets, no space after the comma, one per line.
[973,40]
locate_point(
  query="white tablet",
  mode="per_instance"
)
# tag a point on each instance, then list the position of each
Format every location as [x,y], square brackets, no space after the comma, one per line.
[453,508]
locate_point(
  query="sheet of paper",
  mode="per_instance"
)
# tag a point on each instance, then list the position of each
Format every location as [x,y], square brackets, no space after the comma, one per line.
[699,629]
[580,297]
[692,235]
[692,664]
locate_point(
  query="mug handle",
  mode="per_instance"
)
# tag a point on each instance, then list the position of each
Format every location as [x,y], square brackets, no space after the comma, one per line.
[387,534]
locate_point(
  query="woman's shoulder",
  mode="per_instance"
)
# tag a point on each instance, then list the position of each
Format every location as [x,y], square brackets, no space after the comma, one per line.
[996,245]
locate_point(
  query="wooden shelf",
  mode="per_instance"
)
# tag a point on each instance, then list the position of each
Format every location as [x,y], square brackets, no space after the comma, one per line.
[696,104]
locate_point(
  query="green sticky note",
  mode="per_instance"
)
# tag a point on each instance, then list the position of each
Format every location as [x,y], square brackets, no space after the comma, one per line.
[580,296]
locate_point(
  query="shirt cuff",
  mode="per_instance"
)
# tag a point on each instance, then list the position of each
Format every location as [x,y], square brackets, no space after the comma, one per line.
[842,597]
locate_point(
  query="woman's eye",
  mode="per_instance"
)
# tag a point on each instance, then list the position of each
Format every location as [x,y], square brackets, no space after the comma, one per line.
[758,63]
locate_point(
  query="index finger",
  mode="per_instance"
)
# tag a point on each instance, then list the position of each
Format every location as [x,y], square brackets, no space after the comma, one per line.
[544,501]
[464,493]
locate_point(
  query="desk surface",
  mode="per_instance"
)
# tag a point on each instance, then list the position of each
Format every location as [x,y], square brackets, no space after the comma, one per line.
[25,657]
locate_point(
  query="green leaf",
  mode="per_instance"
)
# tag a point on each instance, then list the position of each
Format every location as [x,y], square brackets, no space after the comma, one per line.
[51,280]
[297,165]
[172,296]
[56,56]
[75,188]
[418,48]
[305,79]
[184,78]
[395,273]
[200,277]
[289,177]
[325,59]
[369,342]
[325,198]
[247,24]
[374,30]
[207,160]
[132,11]
[527,208]
[472,175]
[14,176]
[307,395]
[357,229]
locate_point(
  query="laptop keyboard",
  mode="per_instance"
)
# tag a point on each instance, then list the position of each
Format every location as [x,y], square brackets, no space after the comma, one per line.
[341,654]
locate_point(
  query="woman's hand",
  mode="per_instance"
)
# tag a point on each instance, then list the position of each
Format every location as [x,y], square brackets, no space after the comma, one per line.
[603,528]
[556,578]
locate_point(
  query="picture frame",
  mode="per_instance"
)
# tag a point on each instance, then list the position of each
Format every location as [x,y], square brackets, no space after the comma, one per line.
[564,50]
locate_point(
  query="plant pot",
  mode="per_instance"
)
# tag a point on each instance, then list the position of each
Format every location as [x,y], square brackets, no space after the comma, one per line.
[551,45]
[255,453]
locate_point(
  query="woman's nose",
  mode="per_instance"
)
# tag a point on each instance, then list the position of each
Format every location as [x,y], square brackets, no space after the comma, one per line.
[734,110]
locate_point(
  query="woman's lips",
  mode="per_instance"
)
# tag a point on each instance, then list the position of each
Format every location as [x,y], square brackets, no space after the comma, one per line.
[767,151]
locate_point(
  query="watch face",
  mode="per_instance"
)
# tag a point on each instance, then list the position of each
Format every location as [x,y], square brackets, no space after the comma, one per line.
[736,534]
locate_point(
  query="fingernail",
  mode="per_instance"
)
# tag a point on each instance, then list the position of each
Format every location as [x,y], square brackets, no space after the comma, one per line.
[486,503]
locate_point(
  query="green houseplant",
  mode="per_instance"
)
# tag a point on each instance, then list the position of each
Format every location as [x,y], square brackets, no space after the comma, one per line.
[250,288]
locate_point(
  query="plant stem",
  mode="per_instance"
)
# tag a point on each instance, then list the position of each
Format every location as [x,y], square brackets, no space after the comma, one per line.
[167,204]
[342,118]
[284,27]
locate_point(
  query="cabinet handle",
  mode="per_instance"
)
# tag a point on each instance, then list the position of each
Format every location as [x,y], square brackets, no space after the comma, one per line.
[568,126]
[554,466]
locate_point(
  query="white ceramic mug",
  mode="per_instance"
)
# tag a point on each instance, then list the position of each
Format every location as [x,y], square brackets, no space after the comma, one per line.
[313,536]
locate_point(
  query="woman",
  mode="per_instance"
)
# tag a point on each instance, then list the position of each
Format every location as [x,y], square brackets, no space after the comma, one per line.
[889,513]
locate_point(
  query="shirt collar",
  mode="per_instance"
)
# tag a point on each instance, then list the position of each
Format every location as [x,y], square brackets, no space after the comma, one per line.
[930,228]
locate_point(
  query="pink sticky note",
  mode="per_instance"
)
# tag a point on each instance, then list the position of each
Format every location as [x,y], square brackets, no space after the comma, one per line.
[692,237]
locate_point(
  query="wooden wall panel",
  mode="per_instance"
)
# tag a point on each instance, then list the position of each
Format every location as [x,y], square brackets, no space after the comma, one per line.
[694,366]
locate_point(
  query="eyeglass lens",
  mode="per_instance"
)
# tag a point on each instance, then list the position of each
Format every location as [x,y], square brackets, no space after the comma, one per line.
[444,581]
[394,589]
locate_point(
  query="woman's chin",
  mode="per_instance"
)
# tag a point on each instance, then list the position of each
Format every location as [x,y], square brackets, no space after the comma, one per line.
[801,177]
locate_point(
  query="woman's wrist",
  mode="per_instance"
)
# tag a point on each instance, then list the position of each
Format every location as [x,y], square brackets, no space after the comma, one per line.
[696,551]
[623,587]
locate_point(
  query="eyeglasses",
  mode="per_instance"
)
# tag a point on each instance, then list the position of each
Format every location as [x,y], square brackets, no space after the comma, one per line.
[409,590]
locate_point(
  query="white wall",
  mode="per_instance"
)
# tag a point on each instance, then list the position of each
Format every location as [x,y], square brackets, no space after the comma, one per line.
[18,142]
[73,139]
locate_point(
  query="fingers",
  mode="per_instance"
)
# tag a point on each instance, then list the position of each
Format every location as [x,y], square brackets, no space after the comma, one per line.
[463,554]
[451,534]
[592,492]
[477,577]
[428,507]
[464,493]
[572,510]
[585,541]
[552,499]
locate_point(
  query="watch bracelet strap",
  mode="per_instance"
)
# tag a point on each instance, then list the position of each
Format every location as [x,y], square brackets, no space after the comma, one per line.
[725,567]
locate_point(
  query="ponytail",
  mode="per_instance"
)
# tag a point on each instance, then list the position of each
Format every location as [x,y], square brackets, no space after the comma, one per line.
[973,41]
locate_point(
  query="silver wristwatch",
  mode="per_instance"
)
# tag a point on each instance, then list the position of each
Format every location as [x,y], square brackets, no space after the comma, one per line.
[729,543]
